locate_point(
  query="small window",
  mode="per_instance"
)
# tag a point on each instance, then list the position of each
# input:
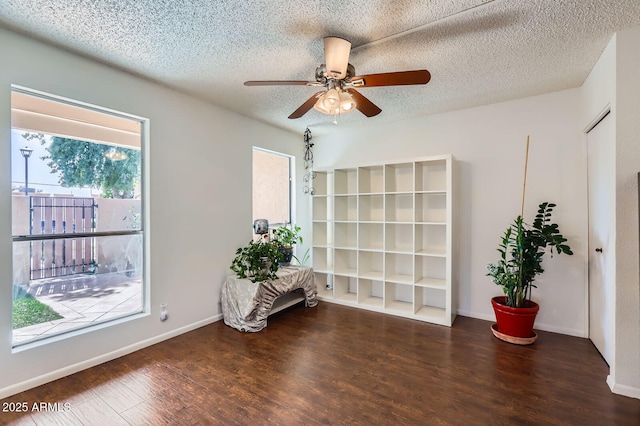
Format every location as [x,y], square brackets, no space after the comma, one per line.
[77,215]
[271,186]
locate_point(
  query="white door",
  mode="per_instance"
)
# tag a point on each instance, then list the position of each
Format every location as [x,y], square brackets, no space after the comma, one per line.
[601,182]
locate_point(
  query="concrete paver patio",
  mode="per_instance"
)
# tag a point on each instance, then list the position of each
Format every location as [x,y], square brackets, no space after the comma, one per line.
[82,300]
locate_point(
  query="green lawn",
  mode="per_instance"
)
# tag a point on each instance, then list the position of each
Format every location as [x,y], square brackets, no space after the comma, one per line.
[29,311]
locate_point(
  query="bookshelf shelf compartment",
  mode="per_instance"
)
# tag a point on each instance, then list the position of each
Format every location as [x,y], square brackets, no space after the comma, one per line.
[346,234]
[346,262]
[430,301]
[371,236]
[398,237]
[399,208]
[371,208]
[383,238]
[370,265]
[431,207]
[345,181]
[371,180]
[398,297]
[399,177]
[322,260]
[431,240]
[345,288]
[321,208]
[320,183]
[431,175]
[399,268]
[431,271]
[346,208]
[321,235]
[370,292]
[323,284]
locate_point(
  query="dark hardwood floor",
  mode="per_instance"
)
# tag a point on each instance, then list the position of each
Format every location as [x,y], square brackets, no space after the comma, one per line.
[339,365]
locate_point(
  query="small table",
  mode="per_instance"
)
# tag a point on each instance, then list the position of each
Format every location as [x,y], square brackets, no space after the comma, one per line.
[246,305]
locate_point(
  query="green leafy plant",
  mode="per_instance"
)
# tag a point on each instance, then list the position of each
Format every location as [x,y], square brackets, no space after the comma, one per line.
[521,253]
[286,237]
[258,261]
[305,258]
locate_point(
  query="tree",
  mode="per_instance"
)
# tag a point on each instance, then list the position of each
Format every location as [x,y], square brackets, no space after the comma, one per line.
[82,163]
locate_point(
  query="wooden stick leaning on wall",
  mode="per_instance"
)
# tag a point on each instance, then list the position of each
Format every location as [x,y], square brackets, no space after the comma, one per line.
[524,185]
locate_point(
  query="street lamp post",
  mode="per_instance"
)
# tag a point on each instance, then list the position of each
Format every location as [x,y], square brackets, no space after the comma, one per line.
[26,153]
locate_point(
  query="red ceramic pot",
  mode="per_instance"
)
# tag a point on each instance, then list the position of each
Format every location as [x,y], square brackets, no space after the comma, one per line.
[516,322]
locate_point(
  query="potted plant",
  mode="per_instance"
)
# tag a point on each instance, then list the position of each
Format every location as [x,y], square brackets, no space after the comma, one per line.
[285,237]
[522,249]
[258,261]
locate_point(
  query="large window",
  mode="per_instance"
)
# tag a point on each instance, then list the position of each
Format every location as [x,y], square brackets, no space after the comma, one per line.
[77,215]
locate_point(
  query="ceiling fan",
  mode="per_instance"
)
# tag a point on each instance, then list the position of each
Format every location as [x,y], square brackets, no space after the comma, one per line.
[338,79]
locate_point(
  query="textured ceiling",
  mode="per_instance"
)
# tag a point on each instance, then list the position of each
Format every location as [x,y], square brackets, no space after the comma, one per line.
[478,51]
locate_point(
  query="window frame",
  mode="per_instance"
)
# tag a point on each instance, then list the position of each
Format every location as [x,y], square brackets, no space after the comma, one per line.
[290,191]
[142,231]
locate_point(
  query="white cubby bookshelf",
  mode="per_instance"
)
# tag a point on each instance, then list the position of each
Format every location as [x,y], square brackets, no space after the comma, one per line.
[383,237]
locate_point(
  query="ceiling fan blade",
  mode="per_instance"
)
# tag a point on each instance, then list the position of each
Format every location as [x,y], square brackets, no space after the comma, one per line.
[276,83]
[336,56]
[399,78]
[363,104]
[305,107]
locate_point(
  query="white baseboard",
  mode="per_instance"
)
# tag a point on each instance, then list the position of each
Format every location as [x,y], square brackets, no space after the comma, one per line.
[475,315]
[71,369]
[623,389]
[560,330]
[538,326]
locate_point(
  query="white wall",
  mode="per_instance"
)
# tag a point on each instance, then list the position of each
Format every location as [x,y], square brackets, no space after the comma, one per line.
[626,375]
[489,145]
[197,152]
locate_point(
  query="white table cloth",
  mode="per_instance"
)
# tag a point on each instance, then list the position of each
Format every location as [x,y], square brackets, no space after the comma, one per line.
[246,305]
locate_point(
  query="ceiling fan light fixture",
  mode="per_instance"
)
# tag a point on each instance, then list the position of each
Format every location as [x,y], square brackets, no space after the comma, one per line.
[321,106]
[336,52]
[346,102]
[335,102]
[331,99]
